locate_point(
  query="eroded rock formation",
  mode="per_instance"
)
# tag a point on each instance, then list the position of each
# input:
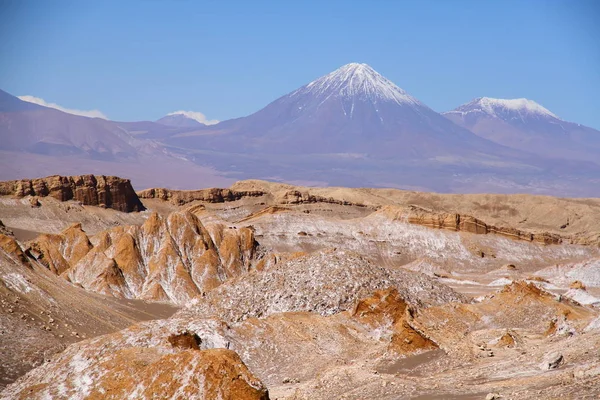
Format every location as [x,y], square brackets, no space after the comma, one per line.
[171,258]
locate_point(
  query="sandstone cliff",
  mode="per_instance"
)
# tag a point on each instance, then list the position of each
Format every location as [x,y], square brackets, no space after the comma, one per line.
[538,219]
[212,195]
[94,190]
[466,223]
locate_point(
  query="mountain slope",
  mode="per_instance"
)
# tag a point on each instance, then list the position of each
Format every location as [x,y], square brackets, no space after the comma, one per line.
[27,127]
[525,125]
[354,127]
[354,109]
[36,129]
[179,121]
[39,141]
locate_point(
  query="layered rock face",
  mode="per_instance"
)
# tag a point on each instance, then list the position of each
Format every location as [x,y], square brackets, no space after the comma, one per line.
[466,223]
[537,219]
[171,258]
[94,190]
[213,195]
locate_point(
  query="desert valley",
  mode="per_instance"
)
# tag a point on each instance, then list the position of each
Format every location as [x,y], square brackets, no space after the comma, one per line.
[268,290]
[213,201]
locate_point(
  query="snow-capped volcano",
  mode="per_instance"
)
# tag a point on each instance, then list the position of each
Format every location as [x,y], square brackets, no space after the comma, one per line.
[526,125]
[503,108]
[354,127]
[356,81]
[353,109]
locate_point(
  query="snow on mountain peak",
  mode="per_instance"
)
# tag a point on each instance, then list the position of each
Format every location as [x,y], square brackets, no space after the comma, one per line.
[495,107]
[520,105]
[358,80]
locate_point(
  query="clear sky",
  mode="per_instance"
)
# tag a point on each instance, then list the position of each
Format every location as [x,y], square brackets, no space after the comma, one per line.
[139,60]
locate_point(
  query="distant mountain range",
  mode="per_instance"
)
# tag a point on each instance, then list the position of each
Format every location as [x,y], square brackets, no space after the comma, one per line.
[525,125]
[352,127]
[352,110]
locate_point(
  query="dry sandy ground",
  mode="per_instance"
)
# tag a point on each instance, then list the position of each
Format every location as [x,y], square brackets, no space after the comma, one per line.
[294,223]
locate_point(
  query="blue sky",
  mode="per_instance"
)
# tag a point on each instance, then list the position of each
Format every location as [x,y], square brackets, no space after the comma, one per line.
[138,60]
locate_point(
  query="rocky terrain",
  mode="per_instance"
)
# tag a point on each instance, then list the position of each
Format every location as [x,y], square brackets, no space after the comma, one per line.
[265,290]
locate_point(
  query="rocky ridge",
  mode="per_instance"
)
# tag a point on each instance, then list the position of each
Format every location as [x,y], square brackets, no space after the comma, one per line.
[521,217]
[94,190]
[41,313]
[216,195]
[467,223]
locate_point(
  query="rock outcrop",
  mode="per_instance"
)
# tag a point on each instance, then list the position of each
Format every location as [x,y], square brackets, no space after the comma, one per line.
[41,313]
[213,195]
[58,252]
[4,230]
[173,258]
[518,306]
[396,203]
[94,190]
[103,368]
[465,223]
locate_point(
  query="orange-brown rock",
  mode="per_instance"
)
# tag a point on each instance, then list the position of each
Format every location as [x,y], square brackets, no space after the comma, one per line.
[465,223]
[508,339]
[11,247]
[94,190]
[386,307]
[577,285]
[173,258]
[520,305]
[213,195]
[114,367]
[185,340]
[4,230]
[58,252]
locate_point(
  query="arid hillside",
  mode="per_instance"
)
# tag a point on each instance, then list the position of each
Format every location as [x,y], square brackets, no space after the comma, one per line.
[264,290]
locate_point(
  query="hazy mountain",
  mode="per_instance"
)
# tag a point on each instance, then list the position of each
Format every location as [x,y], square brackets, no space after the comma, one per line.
[32,128]
[525,125]
[354,109]
[179,120]
[39,141]
[352,127]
